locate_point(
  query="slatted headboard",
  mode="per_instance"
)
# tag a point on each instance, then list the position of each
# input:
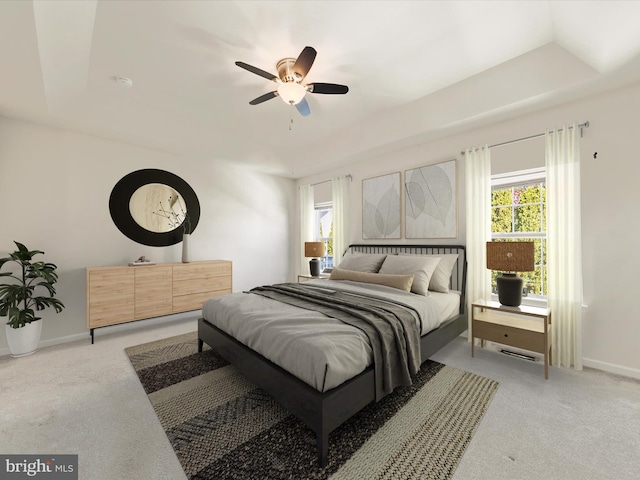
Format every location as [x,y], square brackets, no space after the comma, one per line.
[458,275]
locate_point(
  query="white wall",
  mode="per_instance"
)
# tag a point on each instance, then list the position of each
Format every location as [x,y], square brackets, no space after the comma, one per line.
[55,187]
[610,206]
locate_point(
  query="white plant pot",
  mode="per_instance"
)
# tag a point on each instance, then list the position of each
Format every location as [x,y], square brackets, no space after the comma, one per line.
[24,340]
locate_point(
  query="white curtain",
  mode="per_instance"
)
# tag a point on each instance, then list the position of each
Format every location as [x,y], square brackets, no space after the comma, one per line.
[307,214]
[340,188]
[478,210]
[564,246]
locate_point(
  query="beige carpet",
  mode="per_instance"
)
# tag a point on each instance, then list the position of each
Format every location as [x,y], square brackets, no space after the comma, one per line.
[223,427]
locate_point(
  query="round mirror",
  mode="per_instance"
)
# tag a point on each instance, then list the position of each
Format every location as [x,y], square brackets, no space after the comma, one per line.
[154,207]
[157,208]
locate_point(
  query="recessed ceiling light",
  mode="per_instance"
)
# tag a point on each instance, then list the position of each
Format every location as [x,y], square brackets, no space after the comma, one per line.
[124,82]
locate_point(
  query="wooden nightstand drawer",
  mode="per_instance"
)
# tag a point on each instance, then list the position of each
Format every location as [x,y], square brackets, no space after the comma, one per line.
[506,335]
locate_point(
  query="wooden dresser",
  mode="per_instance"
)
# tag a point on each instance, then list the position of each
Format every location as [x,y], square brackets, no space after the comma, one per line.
[124,294]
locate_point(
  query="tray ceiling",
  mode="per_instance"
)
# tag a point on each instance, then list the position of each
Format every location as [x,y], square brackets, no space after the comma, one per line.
[414,70]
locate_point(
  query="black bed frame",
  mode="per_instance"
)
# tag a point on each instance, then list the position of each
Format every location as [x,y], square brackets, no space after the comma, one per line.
[324,412]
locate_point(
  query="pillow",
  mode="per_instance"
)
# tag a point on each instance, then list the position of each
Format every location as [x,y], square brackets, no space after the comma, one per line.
[362,262]
[401,282]
[440,279]
[421,266]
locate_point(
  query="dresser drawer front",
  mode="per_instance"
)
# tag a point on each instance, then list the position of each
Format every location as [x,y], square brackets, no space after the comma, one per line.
[199,285]
[153,291]
[185,303]
[110,298]
[515,337]
[194,271]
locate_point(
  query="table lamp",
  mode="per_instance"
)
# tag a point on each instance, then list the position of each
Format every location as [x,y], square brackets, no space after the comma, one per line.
[315,250]
[509,258]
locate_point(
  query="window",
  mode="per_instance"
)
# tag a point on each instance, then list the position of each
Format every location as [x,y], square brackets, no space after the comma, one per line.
[519,213]
[324,232]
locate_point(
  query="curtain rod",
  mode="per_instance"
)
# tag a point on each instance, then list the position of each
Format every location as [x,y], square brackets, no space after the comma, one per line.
[325,181]
[580,126]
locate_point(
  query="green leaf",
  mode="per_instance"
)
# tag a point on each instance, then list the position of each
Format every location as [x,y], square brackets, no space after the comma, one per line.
[18,299]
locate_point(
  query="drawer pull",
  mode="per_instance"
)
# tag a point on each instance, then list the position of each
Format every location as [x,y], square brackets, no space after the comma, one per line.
[506,335]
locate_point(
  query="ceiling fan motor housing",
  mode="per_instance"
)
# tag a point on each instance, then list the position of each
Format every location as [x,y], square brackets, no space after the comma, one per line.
[285,70]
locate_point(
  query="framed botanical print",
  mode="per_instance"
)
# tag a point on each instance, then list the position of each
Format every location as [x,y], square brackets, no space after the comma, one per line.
[381,215]
[431,201]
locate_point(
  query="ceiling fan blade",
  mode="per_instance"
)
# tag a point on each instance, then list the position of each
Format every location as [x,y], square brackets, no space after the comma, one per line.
[263,98]
[303,107]
[304,61]
[327,88]
[257,71]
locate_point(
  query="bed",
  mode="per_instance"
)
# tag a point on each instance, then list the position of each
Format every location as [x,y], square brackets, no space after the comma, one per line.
[325,396]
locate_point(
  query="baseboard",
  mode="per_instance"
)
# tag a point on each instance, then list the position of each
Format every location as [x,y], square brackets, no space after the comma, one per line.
[611,368]
[53,341]
[586,362]
[113,329]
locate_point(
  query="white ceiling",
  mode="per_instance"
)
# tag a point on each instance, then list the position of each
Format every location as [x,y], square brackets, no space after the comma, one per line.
[415,69]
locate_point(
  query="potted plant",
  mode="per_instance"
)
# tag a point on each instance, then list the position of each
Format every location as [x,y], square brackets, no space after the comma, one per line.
[31,289]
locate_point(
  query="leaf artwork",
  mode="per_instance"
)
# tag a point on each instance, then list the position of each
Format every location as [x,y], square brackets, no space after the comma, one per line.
[387,218]
[369,229]
[431,201]
[429,191]
[381,207]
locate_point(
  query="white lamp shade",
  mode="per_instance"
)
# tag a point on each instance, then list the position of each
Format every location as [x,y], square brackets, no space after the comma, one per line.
[291,93]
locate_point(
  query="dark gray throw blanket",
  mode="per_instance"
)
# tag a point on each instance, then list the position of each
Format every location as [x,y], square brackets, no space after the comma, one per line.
[391,327]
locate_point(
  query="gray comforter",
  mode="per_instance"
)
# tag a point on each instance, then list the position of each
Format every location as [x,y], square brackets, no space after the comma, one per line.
[390,326]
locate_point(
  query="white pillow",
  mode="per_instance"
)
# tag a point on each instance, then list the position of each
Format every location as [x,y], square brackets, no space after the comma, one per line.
[421,266]
[362,262]
[440,279]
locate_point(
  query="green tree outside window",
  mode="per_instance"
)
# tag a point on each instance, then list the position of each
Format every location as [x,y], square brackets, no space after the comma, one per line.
[518,213]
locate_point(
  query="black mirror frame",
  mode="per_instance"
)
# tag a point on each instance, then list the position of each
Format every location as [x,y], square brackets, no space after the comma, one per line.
[121,214]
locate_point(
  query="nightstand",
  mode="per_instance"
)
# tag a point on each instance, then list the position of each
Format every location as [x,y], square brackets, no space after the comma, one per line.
[521,327]
[304,278]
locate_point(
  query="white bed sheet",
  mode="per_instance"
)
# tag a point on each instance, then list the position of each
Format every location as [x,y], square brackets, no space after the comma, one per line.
[321,351]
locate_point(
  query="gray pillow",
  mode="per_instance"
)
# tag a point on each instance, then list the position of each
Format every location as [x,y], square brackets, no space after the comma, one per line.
[362,262]
[442,274]
[422,268]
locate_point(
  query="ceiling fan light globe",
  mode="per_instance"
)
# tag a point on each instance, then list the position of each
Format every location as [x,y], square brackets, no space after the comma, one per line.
[291,93]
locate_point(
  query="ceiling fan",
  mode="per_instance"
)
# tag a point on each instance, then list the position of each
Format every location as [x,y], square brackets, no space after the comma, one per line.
[291,72]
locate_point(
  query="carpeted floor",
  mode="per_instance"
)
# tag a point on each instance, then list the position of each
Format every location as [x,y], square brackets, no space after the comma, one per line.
[223,427]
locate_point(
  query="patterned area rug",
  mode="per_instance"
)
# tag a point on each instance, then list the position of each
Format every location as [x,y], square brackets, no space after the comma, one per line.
[223,427]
